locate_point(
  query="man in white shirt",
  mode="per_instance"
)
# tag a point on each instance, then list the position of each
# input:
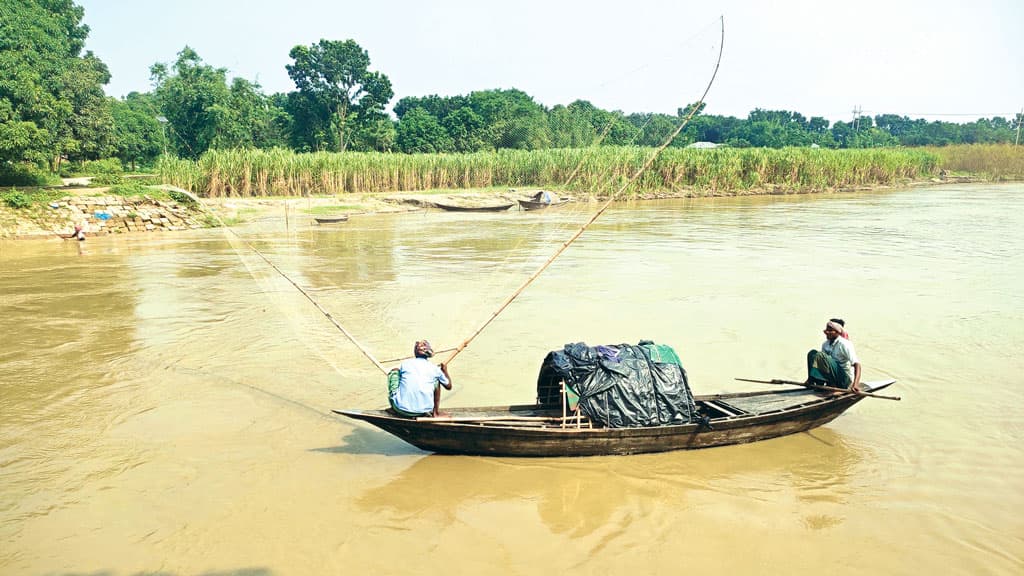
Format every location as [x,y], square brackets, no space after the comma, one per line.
[416,388]
[836,364]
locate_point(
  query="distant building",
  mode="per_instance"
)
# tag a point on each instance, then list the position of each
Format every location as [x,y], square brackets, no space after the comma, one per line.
[703,145]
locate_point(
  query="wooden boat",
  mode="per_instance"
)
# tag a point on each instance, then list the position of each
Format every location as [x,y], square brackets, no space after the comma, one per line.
[331,219]
[533,430]
[537,205]
[464,208]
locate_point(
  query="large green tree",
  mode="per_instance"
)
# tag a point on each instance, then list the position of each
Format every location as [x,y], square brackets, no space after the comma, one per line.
[653,129]
[194,98]
[512,118]
[337,92]
[139,135]
[465,128]
[582,124]
[255,120]
[419,131]
[204,112]
[51,96]
[88,133]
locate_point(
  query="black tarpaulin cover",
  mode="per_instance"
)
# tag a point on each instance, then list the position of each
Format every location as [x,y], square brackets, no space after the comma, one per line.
[620,386]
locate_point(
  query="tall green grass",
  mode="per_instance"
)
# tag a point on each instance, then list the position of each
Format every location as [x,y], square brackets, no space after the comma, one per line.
[603,171]
[993,161]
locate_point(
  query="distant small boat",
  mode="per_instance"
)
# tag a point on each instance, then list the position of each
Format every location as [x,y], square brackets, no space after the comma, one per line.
[463,208]
[330,219]
[540,205]
[541,200]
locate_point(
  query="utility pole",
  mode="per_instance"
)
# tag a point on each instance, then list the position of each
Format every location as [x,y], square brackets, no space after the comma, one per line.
[856,117]
[1020,118]
[163,126]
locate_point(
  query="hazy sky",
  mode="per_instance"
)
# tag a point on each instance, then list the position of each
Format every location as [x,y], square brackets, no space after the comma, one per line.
[937,59]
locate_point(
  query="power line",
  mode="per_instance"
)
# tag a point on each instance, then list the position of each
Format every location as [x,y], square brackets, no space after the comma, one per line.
[967,114]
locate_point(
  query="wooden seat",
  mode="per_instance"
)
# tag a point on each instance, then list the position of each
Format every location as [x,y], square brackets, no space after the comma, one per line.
[724,408]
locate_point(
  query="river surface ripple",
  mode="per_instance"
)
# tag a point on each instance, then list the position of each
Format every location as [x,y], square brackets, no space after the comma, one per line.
[165,399]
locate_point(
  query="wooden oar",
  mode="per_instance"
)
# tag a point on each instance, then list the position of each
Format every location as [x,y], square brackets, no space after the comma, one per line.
[816,387]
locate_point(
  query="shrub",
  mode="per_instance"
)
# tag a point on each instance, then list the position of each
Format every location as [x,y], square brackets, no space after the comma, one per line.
[129,189]
[181,197]
[16,199]
[106,180]
[105,166]
[68,169]
[19,174]
[106,172]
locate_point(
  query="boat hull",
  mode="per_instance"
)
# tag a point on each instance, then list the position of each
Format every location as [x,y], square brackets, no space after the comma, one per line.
[457,208]
[534,205]
[521,430]
[330,219]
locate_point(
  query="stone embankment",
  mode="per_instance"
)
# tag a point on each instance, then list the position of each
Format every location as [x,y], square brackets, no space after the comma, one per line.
[104,215]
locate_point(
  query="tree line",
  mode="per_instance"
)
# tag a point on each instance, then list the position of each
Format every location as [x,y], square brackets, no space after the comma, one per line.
[53,109]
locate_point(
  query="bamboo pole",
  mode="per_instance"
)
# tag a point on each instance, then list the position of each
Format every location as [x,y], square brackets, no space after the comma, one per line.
[636,175]
[565,403]
[816,387]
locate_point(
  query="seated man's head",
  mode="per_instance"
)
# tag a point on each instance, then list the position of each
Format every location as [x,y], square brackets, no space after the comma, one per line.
[422,349]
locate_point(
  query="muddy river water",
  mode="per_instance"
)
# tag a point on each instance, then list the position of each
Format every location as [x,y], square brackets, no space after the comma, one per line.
[165,399]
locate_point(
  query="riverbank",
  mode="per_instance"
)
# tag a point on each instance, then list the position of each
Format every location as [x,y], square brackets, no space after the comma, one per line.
[103,213]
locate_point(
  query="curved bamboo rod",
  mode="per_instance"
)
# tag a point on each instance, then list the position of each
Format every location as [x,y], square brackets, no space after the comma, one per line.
[650,160]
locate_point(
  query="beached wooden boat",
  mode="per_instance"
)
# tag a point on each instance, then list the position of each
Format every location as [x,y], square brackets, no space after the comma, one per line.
[331,219]
[539,205]
[532,430]
[466,208]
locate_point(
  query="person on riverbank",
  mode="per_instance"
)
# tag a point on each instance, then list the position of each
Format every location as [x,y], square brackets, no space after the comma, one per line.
[78,235]
[414,388]
[836,364]
[543,196]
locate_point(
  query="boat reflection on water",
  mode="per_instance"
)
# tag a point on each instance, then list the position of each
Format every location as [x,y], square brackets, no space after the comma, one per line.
[579,496]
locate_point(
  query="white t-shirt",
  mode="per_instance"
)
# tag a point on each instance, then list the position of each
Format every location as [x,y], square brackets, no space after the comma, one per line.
[417,379]
[843,353]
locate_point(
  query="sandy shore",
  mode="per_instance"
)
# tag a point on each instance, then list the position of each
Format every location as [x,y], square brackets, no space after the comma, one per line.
[38,221]
[35,223]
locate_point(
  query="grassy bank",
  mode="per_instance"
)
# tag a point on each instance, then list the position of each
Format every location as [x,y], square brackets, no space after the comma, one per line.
[597,171]
[36,198]
[45,212]
[990,161]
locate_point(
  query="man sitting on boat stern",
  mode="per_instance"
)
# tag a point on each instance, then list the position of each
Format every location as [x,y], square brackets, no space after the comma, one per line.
[414,388]
[836,364]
